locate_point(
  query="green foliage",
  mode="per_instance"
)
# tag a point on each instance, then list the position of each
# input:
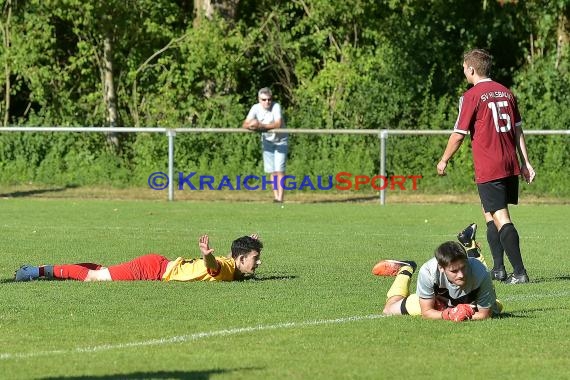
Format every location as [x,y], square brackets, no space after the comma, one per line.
[149,154]
[194,81]
[324,155]
[338,65]
[542,91]
[551,164]
[60,159]
[218,154]
[544,82]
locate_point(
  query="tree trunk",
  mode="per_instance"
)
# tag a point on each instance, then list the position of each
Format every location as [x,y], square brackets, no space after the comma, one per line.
[207,8]
[563,37]
[109,94]
[6,42]
[227,9]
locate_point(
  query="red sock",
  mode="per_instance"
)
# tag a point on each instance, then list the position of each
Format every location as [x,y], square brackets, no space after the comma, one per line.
[70,272]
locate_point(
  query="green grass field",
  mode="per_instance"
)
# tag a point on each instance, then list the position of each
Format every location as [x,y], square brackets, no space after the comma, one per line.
[312,313]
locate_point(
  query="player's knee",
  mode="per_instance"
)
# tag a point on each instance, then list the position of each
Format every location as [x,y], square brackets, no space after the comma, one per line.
[393,306]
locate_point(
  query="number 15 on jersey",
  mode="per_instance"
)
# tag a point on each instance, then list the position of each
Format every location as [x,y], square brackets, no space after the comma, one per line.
[499,113]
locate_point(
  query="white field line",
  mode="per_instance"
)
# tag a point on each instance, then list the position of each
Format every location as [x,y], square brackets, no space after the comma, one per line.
[190,337]
[233,331]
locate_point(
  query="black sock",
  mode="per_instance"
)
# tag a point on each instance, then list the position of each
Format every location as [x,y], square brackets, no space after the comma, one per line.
[510,241]
[46,271]
[473,252]
[495,245]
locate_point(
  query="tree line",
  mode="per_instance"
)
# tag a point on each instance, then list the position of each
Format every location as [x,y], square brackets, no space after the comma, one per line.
[362,64]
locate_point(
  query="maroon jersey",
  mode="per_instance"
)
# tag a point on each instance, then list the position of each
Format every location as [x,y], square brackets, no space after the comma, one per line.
[489,112]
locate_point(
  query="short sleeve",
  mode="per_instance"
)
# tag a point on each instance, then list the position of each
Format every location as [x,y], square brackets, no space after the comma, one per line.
[276,111]
[486,296]
[465,115]
[251,115]
[425,284]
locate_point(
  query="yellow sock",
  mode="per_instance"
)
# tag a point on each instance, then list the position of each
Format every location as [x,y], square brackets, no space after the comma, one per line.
[401,285]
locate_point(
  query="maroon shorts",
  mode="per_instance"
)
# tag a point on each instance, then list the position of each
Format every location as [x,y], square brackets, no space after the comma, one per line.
[148,267]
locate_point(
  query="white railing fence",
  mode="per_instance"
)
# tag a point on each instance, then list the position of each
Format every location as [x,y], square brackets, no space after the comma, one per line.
[170,133]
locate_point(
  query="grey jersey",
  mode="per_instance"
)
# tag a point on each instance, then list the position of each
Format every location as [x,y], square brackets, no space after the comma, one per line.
[478,289]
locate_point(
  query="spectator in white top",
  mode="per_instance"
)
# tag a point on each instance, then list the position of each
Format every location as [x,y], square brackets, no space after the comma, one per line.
[265,117]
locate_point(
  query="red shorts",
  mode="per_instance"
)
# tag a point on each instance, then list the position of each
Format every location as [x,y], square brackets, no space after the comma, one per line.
[148,267]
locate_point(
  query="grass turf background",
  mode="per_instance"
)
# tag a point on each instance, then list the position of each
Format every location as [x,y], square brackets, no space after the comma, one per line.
[315,276]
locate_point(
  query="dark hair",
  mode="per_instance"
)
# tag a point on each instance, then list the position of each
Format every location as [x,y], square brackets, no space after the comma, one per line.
[480,60]
[449,252]
[244,245]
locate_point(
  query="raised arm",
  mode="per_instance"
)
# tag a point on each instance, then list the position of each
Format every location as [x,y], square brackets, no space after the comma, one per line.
[207,253]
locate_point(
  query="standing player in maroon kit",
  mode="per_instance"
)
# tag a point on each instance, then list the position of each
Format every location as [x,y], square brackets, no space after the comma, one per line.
[488,111]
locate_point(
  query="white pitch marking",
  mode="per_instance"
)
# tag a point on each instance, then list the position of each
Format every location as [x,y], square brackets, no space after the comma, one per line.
[190,337]
[234,331]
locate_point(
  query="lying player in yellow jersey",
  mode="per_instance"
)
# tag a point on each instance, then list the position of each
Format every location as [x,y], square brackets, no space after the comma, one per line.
[239,264]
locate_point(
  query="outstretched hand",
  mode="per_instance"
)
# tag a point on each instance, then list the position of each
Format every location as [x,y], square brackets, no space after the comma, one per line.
[458,313]
[254,236]
[204,245]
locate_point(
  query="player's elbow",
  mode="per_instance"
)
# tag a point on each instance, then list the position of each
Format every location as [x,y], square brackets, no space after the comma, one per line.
[457,138]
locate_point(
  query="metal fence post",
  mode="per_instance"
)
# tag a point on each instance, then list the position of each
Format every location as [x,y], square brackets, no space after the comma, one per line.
[383,135]
[171,134]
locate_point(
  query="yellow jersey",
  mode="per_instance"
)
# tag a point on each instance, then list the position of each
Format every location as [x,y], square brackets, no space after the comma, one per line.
[195,270]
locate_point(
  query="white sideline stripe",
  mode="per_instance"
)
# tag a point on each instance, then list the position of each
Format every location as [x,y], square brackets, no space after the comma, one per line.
[235,331]
[191,337]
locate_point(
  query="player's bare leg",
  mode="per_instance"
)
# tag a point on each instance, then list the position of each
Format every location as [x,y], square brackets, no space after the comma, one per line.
[102,274]
[400,289]
[277,188]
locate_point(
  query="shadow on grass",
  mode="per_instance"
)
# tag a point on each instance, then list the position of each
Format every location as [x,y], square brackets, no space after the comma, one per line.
[261,278]
[346,200]
[509,315]
[31,193]
[537,280]
[528,313]
[275,277]
[174,375]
